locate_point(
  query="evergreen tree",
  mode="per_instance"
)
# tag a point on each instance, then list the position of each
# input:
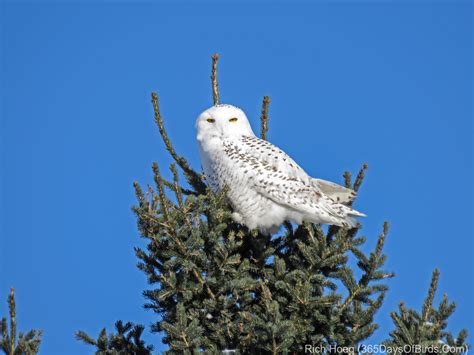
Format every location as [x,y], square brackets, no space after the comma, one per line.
[127,340]
[217,286]
[27,344]
[425,332]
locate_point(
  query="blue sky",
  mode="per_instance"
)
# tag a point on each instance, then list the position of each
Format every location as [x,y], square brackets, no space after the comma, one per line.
[350,82]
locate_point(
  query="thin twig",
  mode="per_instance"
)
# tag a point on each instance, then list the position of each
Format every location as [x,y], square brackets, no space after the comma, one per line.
[366,278]
[360,177]
[179,195]
[177,189]
[164,135]
[161,193]
[347,179]
[12,307]
[193,178]
[264,118]
[204,284]
[171,186]
[215,85]
[431,293]
[139,192]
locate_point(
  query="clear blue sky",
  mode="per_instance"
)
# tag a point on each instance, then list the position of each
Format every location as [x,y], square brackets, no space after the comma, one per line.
[388,84]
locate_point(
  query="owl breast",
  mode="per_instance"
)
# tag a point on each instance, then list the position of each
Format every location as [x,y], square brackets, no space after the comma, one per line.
[224,169]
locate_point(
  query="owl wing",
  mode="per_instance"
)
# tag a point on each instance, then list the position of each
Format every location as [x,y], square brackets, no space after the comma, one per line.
[267,153]
[273,174]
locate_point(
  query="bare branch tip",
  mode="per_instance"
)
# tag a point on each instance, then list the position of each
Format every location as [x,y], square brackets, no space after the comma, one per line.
[264,117]
[215,84]
[154,98]
[156,172]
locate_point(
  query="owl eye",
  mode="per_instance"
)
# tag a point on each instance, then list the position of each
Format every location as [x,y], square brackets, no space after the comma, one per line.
[211,120]
[234,119]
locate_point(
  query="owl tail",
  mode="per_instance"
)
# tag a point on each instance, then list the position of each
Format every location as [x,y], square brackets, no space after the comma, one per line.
[339,214]
[352,212]
[348,220]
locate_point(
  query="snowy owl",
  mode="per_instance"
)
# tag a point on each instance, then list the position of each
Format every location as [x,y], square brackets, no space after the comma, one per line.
[264,185]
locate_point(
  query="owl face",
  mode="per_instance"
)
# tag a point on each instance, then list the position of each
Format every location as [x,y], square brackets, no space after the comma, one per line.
[222,121]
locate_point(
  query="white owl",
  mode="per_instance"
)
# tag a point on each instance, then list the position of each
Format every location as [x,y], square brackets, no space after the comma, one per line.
[265,186]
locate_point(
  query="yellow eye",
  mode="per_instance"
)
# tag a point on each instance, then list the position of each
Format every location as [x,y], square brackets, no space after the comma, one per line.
[233,119]
[211,120]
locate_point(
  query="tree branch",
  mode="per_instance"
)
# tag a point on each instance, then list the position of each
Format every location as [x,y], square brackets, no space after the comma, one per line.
[264,118]
[215,86]
[360,177]
[431,293]
[193,177]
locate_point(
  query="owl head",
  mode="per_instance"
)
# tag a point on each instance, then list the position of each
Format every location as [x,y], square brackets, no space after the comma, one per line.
[222,121]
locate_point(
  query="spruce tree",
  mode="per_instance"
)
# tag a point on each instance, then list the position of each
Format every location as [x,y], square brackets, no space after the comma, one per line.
[126,340]
[27,344]
[217,286]
[425,332]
